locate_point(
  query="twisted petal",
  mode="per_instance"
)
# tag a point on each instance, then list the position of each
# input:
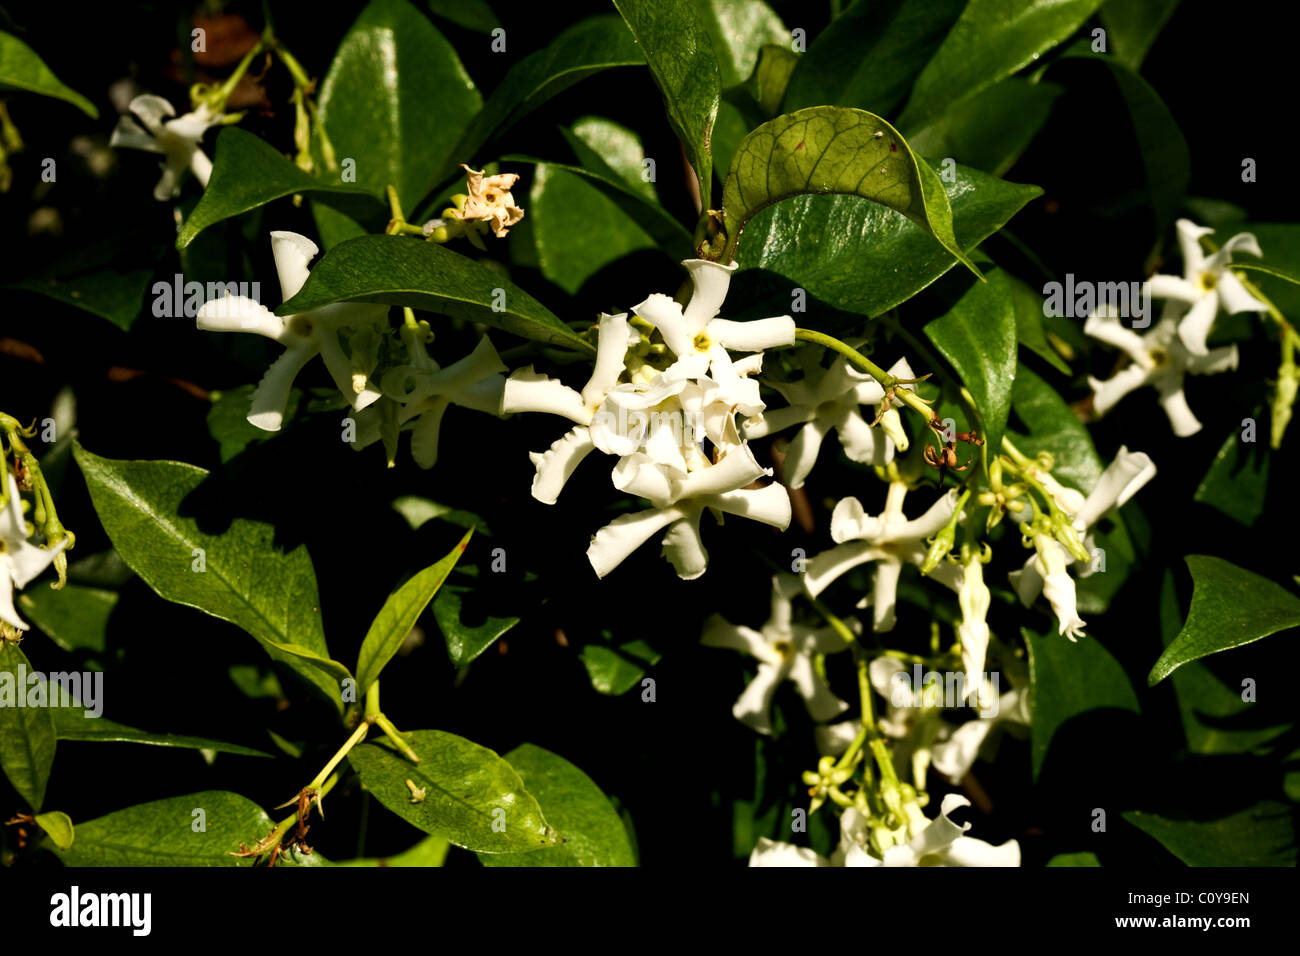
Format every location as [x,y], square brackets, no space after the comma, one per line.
[128,133]
[272,393]
[611,545]
[1174,288]
[1216,360]
[1106,395]
[527,390]
[850,522]
[1105,327]
[719,632]
[884,593]
[292,252]
[770,505]
[7,612]
[666,316]
[1241,242]
[860,441]
[424,436]
[611,350]
[753,707]
[556,465]
[771,853]
[152,110]
[821,702]
[738,469]
[1234,298]
[1189,235]
[826,567]
[929,524]
[349,377]
[1121,480]
[684,548]
[776,420]
[755,335]
[1058,588]
[955,756]
[239,313]
[967,851]
[1195,326]
[1174,401]
[711,280]
[801,453]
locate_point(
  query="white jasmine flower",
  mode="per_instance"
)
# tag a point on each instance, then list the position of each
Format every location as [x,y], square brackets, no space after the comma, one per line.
[321,332]
[1159,359]
[955,754]
[1207,285]
[423,391]
[921,842]
[20,560]
[784,651]
[1046,570]
[700,341]
[973,629]
[176,139]
[890,540]
[827,400]
[490,200]
[678,504]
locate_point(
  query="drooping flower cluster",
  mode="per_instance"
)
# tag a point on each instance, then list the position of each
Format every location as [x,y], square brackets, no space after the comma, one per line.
[1176,346]
[20,560]
[666,409]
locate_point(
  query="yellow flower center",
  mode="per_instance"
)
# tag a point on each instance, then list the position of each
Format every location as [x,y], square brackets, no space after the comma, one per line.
[702,343]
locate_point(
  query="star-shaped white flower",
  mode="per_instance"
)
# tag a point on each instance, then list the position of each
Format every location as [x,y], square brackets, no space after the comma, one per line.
[1207,285]
[1159,359]
[827,400]
[323,331]
[176,139]
[423,391]
[890,540]
[679,502]
[20,560]
[784,651]
[938,842]
[700,341]
[1046,570]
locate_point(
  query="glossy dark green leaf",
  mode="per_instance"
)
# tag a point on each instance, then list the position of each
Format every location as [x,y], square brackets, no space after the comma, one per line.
[472,797]
[776,64]
[418,511]
[247,173]
[108,278]
[248,581]
[577,229]
[991,39]
[399,614]
[1216,720]
[58,827]
[1074,859]
[1068,680]
[590,830]
[588,47]
[471,14]
[1230,607]
[27,739]
[829,149]
[466,642]
[228,423]
[616,669]
[334,226]
[431,851]
[172,832]
[682,61]
[865,258]
[1236,482]
[22,69]
[606,147]
[1053,427]
[424,275]
[71,722]
[75,618]
[737,30]
[395,101]
[1133,25]
[869,56]
[1262,835]
[978,338]
[991,129]
[1029,325]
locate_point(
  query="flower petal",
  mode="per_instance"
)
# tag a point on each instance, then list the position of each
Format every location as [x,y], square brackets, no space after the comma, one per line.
[527,390]
[1121,480]
[825,568]
[612,544]
[292,252]
[555,465]
[684,548]
[1195,326]
[711,280]
[424,436]
[754,335]
[801,453]
[611,350]
[272,393]
[238,313]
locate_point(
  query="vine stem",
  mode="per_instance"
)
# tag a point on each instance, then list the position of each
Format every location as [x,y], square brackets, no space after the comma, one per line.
[888,382]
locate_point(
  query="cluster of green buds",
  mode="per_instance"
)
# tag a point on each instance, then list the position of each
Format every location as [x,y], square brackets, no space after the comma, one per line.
[1049,520]
[824,783]
[450,225]
[304,111]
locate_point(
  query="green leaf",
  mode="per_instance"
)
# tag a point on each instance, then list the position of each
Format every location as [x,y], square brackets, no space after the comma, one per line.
[431,851]
[146,508]
[1054,428]
[399,614]
[465,643]
[396,100]
[590,830]
[58,827]
[992,39]
[605,147]
[471,14]
[22,69]
[614,670]
[685,68]
[1029,325]
[577,230]
[418,511]
[1133,25]
[464,786]
[27,739]
[991,129]
[776,64]
[424,275]
[1236,482]
[1215,718]
[1068,680]
[334,226]
[228,423]
[978,338]
[737,30]
[1074,859]
[75,618]
[833,149]
[247,173]
[108,278]
[1231,607]
[71,723]
[870,54]
[1262,835]
[595,44]
[864,258]
[170,833]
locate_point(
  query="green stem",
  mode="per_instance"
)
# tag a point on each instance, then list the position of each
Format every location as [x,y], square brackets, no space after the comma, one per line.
[393,734]
[860,361]
[358,735]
